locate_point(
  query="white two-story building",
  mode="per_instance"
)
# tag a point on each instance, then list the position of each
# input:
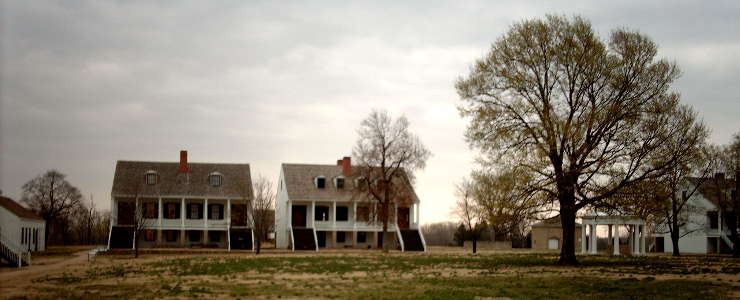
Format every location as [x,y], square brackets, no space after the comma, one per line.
[183,204]
[317,207]
[704,229]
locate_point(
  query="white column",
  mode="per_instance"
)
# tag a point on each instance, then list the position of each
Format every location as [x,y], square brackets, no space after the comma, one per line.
[182,213]
[637,239]
[205,213]
[642,239]
[416,215]
[616,239]
[313,214]
[228,213]
[583,238]
[594,248]
[354,214]
[159,212]
[334,214]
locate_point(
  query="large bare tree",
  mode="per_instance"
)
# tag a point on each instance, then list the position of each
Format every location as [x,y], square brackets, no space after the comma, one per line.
[582,114]
[51,196]
[386,156]
[262,210]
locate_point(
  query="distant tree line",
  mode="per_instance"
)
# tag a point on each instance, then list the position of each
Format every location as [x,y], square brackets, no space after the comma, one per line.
[70,220]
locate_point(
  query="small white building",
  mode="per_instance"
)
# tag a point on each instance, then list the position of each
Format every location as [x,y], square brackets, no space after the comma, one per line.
[703,230]
[21,232]
[317,208]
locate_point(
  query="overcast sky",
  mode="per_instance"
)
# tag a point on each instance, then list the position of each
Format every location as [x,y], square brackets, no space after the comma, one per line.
[85,84]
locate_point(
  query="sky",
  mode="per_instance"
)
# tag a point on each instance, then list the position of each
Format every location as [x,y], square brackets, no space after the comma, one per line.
[84,84]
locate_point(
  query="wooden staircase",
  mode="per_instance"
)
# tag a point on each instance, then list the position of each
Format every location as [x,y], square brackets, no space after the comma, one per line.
[304,239]
[412,240]
[14,253]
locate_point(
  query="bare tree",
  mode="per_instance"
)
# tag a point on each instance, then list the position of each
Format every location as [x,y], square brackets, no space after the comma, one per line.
[262,210]
[582,114]
[51,196]
[387,155]
[467,210]
[143,219]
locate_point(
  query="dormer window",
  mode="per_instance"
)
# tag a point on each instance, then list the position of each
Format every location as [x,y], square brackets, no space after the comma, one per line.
[215,179]
[320,182]
[358,181]
[151,177]
[339,182]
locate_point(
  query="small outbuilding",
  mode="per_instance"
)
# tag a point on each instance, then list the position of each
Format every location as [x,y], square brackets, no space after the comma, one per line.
[21,232]
[548,235]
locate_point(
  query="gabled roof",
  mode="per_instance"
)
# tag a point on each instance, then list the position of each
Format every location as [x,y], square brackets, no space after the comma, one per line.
[709,188]
[299,183]
[129,179]
[17,209]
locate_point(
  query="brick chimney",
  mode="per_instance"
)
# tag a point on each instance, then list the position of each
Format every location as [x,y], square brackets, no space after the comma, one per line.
[183,161]
[346,164]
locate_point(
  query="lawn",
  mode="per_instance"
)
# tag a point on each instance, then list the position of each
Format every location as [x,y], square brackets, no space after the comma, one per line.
[374,275]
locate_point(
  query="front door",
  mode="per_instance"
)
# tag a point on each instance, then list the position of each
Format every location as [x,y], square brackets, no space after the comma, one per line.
[299,216]
[403,217]
[321,237]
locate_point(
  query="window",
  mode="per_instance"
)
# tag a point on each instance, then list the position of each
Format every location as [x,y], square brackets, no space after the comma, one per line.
[215,179]
[321,213]
[151,177]
[342,213]
[171,235]
[214,236]
[358,181]
[713,219]
[150,210]
[173,211]
[363,213]
[320,182]
[215,212]
[194,211]
[339,182]
[149,235]
[341,237]
[194,236]
[362,237]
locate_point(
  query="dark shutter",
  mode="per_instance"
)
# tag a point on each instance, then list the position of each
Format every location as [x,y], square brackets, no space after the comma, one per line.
[220,211]
[200,210]
[188,210]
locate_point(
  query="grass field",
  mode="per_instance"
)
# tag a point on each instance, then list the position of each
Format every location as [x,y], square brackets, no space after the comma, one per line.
[442,274]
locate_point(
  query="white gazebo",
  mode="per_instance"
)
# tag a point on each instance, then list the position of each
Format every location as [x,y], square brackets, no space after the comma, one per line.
[635,225]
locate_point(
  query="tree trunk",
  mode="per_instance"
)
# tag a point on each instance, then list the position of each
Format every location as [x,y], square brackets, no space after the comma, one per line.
[259,245]
[675,230]
[475,244]
[568,221]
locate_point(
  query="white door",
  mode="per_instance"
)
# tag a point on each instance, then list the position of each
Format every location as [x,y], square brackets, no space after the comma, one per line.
[553,244]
